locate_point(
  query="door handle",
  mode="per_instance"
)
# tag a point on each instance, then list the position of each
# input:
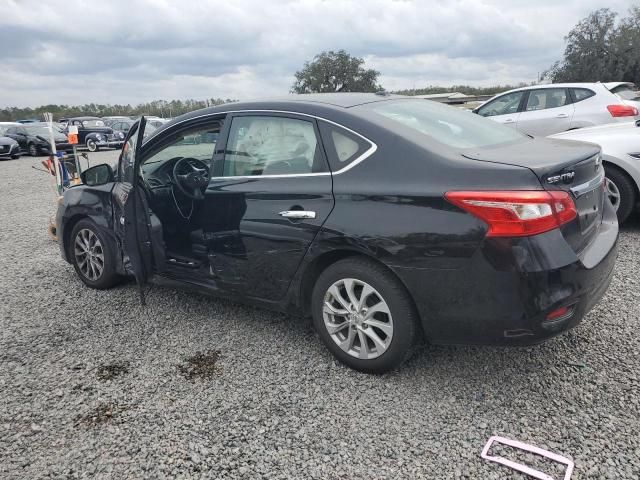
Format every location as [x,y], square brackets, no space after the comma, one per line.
[562,115]
[508,120]
[297,214]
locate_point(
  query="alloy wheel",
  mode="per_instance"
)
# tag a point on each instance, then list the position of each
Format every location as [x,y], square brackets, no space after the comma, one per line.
[33,150]
[91,145]
[613,192]
[89,254]
[357,318]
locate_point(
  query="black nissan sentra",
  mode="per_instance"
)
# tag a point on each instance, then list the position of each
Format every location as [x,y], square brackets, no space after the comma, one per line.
[388,220]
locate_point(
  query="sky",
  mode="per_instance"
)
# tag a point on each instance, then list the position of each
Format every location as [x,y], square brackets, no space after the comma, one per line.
[134,51]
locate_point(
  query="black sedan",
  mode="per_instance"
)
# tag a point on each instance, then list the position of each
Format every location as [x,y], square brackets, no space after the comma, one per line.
[388,220]
[33,138]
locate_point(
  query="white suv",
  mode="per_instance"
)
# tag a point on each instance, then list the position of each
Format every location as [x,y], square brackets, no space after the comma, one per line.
[547,109]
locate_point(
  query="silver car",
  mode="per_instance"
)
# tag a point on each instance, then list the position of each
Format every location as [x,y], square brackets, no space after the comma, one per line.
[543,110]
[620,145]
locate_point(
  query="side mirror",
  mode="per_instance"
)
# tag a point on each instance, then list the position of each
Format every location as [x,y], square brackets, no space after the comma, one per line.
[98,175]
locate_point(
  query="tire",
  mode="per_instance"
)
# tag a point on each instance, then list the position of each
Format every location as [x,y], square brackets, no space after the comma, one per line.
[33,150]
[16,156]
[400,325]
[86,232]
[92,146]
[619,183]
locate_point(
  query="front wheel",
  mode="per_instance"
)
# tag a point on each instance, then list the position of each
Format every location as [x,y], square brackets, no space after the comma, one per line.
[92,255]
[621,192]
[15,156]
[92,146]
[33,150]
[364,315]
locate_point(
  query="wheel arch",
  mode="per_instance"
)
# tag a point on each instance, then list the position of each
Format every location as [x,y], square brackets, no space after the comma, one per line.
[314,269]
[635,180]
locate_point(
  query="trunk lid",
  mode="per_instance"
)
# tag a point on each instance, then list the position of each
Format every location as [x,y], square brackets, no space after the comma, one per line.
[574,167]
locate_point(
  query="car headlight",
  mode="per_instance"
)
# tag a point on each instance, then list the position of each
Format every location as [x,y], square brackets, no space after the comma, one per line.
[121,134]
[99,137]
[635,155]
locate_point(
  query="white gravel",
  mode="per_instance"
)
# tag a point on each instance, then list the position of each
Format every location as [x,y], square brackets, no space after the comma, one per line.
[93,384]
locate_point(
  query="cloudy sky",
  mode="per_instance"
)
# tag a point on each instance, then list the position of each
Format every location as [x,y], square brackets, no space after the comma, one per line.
[131,51]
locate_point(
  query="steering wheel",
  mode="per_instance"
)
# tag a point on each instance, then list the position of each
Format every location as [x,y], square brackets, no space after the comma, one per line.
[190,179]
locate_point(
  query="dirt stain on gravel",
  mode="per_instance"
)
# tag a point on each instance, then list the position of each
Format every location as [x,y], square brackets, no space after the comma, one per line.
[112,370]
[201,365]
[103,413]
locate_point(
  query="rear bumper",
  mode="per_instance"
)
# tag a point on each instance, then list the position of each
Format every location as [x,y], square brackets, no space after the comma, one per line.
[509,287]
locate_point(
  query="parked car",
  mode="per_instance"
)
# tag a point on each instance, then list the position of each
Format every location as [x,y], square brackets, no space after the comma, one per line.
[620,145]
[33,138]
[94,134]
[9,148]
[385,218]
[548,109]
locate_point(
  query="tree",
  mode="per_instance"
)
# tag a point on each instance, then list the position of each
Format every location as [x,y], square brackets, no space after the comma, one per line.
[335,72]
[599,50]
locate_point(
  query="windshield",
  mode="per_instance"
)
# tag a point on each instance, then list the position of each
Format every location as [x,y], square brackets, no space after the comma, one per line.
[448,125]
[626,92]
[93,123]
[3,130]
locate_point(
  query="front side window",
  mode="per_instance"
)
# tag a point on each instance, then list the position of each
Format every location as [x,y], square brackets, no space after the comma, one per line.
[262,145]
[546,98]
[445,124]
[503,105]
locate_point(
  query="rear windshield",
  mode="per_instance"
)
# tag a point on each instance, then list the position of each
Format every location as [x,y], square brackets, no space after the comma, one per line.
[626,92]
[448,125]
[93,123]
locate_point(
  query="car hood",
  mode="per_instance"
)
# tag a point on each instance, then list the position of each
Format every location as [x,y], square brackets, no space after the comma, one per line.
[7,141]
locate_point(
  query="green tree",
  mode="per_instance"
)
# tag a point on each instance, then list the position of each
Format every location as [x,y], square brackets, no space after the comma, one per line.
[598,49]
[335,72]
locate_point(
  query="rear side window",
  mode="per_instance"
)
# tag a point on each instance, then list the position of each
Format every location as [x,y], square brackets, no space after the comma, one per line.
[343,147]
[263,145]
[580,94]
[546,98]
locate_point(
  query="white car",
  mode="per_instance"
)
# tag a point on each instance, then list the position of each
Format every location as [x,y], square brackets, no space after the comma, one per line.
[542,110]
[620,145]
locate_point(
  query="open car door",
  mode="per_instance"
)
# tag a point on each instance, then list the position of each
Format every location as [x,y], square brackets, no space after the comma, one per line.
[131,212]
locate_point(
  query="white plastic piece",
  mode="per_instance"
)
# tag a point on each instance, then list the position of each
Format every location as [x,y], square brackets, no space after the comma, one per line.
[527,448]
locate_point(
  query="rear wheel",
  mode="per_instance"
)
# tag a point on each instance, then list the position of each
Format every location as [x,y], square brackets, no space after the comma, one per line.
[364,315]
[621,192]
[92,255]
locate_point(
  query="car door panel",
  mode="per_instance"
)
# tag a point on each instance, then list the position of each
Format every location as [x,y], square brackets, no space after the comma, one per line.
[541,118]
[254,246]
[131,219]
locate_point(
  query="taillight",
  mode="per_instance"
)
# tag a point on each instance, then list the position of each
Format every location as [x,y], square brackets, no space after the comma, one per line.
[517,213]
[622,110]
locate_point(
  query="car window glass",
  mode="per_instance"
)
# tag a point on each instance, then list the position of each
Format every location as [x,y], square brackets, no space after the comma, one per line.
[345,146]
[444,124]
[503,105]
[342,146]
[626,92]
[582,94]
[261,145]
[198,143]
[546,98]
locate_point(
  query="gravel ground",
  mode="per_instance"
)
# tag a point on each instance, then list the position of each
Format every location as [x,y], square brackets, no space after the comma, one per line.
[93,384]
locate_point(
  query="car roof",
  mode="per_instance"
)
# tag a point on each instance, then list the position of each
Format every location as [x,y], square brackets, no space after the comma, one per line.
[83,118]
